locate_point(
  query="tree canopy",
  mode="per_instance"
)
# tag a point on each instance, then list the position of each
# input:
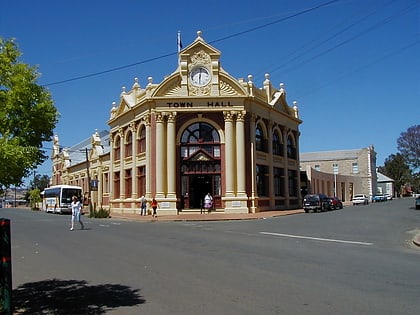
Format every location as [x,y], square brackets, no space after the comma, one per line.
[27,116]
[396,168]
[409,146]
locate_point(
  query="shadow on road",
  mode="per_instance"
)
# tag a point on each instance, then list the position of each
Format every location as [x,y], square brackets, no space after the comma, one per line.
[72,297]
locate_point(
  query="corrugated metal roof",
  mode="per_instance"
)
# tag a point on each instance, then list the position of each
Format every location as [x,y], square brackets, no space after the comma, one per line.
[329,155]
[382,178]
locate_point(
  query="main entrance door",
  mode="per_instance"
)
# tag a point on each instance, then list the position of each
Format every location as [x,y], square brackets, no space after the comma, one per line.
[200,185]
[200,165]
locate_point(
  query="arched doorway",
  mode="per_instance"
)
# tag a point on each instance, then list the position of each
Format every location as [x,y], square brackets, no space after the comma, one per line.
[200,165]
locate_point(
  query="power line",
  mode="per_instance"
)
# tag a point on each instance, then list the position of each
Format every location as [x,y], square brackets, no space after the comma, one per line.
[211,42]
[364,32]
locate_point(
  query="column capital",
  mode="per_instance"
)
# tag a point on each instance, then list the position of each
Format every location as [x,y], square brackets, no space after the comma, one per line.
[171,116]
[228,116]
[159,117]
[240,115]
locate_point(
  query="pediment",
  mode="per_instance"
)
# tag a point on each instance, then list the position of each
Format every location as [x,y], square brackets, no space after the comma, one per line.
[122,107]
[200,156]
[279,102]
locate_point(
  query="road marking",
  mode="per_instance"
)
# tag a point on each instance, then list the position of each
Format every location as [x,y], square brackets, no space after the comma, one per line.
[317,238]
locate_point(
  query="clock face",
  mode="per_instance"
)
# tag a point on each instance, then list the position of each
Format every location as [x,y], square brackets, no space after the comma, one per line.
[200,76]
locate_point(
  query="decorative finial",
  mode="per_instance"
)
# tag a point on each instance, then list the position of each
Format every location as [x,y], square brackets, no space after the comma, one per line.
[136,83]
[295,109]
[199,33]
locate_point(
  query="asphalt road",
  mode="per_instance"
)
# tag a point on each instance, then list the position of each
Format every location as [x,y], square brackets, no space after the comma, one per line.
[359,260]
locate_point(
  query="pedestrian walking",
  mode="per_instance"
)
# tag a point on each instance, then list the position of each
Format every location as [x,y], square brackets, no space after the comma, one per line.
[76,207]
[143,205]
[154,204]
[208,202]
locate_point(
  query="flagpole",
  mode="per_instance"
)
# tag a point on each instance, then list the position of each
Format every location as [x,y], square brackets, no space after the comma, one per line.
[179,43]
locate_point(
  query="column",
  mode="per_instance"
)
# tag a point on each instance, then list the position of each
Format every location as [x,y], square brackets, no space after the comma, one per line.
[270,164]
[134,171]
[122,171]
[229,153]
[240,153]
[160,156]
[148,158]
[286,167]
[299,196]
[253,164]
[171,156]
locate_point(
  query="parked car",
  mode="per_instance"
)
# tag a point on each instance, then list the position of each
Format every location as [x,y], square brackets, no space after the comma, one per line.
[388,196]
[334,203]
[360,199]
[315,202]
[417,203]
[379,198]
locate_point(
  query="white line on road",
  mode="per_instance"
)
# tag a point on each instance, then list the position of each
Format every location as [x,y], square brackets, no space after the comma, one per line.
[317,238]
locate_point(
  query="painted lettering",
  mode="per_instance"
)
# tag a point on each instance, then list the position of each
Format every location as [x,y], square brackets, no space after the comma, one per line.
[219,104]
[180,104]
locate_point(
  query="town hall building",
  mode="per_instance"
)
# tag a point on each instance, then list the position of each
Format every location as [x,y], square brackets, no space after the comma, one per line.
[198,131]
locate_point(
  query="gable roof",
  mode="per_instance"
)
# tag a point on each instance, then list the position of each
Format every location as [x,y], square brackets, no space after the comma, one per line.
[382,178]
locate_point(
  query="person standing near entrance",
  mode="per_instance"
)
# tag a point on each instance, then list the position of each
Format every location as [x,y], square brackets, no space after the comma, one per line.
[143,205]
[208,202]
[76,207]
[154,204]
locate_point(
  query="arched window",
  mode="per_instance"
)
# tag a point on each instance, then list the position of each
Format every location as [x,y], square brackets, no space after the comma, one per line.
[117,147]
[129,144]
[291,148]
[198,136]
[259,139]
[277,144]
[142,140]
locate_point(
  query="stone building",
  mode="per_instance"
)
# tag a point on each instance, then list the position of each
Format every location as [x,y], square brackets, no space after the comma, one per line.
[198,131]
[343,173]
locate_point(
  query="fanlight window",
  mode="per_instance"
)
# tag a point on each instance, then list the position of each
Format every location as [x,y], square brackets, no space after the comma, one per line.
[200,136]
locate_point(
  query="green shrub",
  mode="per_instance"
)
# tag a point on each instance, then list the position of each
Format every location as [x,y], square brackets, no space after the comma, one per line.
[101,213]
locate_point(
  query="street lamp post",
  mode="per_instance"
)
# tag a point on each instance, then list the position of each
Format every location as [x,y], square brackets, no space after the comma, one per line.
[335,171]
[88,179]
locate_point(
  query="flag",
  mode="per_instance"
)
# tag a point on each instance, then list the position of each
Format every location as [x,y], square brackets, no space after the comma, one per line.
[179,43]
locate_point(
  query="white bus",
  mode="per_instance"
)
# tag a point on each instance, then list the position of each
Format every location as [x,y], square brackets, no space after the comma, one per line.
[57,199]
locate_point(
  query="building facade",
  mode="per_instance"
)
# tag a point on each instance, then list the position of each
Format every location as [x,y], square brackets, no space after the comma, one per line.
[341,173]
[198,131]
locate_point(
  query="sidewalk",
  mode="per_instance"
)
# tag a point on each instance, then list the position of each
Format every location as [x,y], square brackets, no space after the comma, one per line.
[213,216]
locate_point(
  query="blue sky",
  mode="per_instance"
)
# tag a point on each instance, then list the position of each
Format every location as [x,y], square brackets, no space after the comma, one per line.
[352,65]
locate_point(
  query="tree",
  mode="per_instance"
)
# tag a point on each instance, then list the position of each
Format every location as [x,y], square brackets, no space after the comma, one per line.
[27,116]
[35,198]
[395,167]
[39,182]
[409,145]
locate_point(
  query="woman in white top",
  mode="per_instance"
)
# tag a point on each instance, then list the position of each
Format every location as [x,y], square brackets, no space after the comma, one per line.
[208,202]
[75,213]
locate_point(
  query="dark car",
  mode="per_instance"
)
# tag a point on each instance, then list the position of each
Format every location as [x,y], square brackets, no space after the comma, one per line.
[379,198]
[334,203]
[417,202]
[315,202]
